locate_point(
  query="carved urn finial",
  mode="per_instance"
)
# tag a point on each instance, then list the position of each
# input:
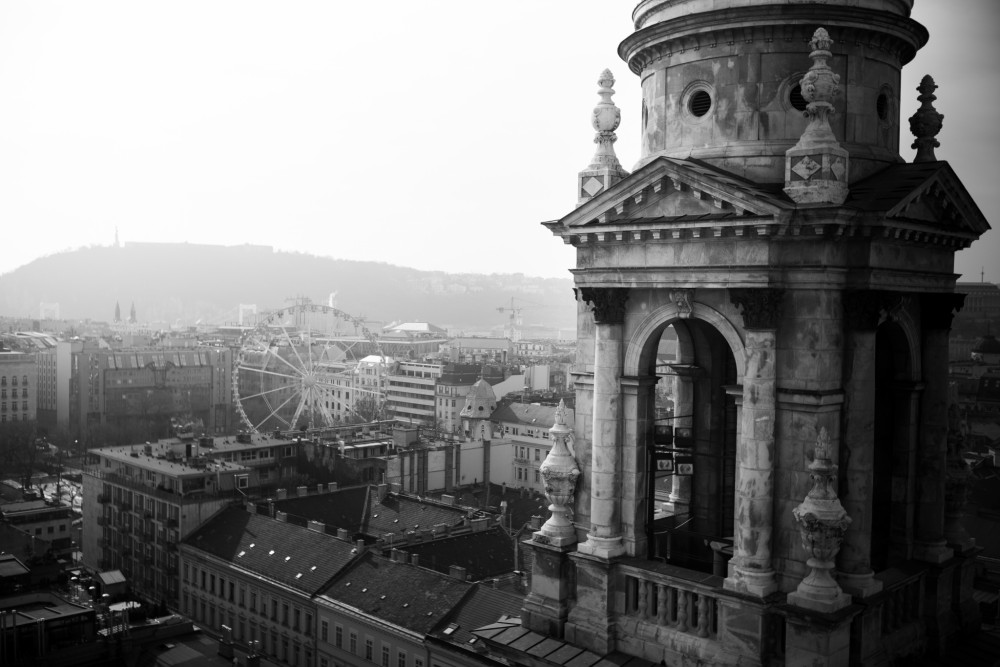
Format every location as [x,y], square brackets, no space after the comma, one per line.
[816,167]
[823,521]
[926,122]
[604,169]
[560,472]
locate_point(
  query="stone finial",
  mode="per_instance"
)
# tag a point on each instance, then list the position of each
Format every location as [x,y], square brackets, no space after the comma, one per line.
[926,122]
[823,521]
[604,169]
[560,472]
[816,168]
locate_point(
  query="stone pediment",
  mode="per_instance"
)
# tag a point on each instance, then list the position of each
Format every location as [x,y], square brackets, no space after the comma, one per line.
[669,188]
[927,195]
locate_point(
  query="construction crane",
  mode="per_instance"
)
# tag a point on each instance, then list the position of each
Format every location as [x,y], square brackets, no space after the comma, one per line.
[514,317]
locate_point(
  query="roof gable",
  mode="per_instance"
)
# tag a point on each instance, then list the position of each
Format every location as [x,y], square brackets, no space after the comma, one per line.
[929,193]
[672,188]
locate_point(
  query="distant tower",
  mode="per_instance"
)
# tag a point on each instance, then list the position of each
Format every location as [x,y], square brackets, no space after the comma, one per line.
[117,244]
[118,312]
[131,315]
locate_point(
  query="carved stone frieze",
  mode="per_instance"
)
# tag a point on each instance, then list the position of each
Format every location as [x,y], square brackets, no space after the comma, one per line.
[761,308]
[608,303]
[938,310]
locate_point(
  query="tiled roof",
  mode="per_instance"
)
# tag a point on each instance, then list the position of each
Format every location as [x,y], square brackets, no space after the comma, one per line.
[483,554]
[300,558]
[344,508]
[409,596]
[480,607]
[511,639]
[399,514]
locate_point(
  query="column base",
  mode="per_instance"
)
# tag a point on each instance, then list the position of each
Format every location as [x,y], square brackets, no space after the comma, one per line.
[932,552]
[820,641]
[859,585]
[605,548]
[760,583]
[825,605]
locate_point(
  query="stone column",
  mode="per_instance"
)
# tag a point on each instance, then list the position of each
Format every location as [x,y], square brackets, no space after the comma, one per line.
[750,569]
[862,312]
[936,313]
[604,540]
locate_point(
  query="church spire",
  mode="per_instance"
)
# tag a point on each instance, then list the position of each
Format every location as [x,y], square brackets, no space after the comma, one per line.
[816,167]
[118,312]
[131,315]
[604,169]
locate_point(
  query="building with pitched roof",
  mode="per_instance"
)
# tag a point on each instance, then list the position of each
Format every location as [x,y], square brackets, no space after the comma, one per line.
[257,576]
[452,644]
[379,611]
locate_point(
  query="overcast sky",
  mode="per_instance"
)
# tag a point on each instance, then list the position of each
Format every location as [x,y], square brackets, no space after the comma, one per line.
[432,134]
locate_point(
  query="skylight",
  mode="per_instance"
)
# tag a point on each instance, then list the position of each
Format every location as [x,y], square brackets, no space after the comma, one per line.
[271,552]
[287,558]
[451,628]
[242,553]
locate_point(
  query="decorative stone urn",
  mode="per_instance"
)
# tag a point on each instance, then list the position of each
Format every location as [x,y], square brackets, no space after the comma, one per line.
[823,521]
[958,484]
[560,472]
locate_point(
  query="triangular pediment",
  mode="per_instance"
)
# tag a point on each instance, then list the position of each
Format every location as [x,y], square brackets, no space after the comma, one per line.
[929,194]
[669,188]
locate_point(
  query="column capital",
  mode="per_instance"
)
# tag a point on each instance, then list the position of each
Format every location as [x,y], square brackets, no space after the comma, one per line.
[938,310]
[864,309]
[608,303]
[760,307]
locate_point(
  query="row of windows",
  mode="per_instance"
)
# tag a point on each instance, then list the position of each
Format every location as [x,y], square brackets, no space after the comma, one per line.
[271,643]
[13,393]
[523,475]
[13,380]
[13,406]
[369,649]
[290,616]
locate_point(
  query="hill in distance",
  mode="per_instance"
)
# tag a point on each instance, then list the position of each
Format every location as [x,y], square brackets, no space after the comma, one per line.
[185,283]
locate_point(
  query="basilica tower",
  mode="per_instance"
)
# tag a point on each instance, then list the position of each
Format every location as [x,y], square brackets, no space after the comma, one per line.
[807,273]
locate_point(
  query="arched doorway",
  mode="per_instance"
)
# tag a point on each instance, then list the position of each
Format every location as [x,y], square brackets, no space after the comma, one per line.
[691,448]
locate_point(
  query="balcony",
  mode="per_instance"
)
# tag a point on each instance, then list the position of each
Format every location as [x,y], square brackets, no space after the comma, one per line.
[891,624]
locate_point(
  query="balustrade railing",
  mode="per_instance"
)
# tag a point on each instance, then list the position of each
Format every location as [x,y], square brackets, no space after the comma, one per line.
[685,606]
[902,603]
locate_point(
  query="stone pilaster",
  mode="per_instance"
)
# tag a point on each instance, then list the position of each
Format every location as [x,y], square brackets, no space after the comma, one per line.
[604,540]
[937,311]
[590,623]
[750,569]
[819,640]
[679,500]
[862,312]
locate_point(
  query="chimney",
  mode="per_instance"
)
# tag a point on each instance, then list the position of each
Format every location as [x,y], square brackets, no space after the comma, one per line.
[251,507]
[302,491]
[332,486]
[479,525]
[360,544]
[448,500]
[282,494]
[343,534]
[536,522]
[383,489]
[316,526]
[281,516]
[458,572]
[415,559]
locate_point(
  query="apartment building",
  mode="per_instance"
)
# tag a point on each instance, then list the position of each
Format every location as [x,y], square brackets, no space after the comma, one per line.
[410,392]
[18,379]
[524,427]
[151,496]
[257,576]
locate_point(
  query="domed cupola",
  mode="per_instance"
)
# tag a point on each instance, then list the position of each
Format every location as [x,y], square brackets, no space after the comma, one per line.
[723,84]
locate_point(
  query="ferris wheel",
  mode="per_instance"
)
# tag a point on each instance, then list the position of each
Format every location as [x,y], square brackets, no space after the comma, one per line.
[298,368]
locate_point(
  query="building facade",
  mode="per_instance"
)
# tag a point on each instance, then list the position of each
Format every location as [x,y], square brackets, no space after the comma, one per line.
[18,386]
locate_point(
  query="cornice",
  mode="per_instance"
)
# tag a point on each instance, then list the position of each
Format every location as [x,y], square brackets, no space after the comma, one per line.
[894,35]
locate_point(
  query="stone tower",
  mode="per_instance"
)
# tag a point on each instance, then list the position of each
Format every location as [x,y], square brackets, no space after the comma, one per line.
[807,272]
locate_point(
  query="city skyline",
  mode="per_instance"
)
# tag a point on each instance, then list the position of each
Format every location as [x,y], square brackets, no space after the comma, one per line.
[344,133]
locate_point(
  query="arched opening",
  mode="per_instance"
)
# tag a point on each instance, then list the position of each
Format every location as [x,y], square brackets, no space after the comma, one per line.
[692,456]
[892,414]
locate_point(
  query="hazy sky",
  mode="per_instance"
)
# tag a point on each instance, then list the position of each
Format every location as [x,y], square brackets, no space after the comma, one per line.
[432,134]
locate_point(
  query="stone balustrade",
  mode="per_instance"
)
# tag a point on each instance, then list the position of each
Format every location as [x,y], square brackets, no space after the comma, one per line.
[681,606]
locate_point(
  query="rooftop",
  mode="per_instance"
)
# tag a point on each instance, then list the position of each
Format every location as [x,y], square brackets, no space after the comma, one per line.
[406,595]
[282,552]
[400,514]
[484,554]
[530,414]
